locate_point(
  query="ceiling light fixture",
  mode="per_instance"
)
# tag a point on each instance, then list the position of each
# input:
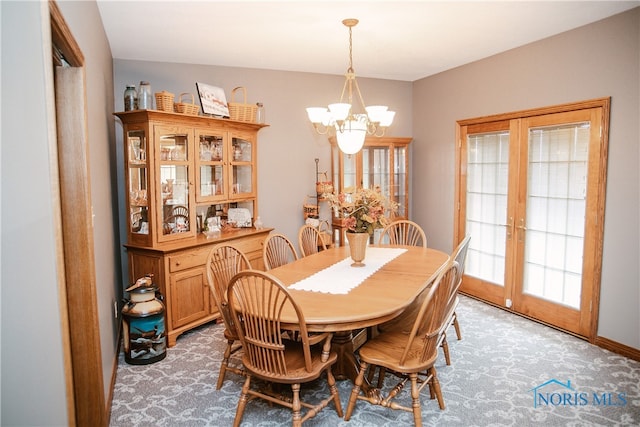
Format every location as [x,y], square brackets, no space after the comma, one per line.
[351,128]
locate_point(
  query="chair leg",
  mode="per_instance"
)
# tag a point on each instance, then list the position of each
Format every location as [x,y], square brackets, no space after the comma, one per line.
[224,364]
[415,400]
[457,326]
[242,402]
[381,373]
[355,391]
[445,349]
[436,387]
[371,373]
[334,392]
[297,416]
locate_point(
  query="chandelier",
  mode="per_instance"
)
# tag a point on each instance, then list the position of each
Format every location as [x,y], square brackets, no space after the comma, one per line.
[351,128]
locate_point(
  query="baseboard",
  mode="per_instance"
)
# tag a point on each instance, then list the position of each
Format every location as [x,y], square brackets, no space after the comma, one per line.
[616,347]
[114,371]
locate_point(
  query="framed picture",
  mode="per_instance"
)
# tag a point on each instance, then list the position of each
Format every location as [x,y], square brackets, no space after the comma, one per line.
[212,100]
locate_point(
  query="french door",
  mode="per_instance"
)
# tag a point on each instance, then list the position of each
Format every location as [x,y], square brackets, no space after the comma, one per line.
[530,192]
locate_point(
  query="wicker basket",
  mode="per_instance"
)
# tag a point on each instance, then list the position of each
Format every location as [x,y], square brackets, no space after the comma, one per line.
[242,112]
[189,108]
[309,210]
[164,101]
[323,187]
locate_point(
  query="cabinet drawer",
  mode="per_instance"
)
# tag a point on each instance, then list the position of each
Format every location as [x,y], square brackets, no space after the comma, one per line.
[249,244]
[187,260]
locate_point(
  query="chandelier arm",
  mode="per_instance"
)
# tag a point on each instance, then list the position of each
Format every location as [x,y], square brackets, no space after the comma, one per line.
[362,104]
[379,132]
[344,88]
[320,128]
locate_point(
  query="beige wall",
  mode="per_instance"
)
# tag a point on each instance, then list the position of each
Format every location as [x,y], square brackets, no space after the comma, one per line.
[598,60]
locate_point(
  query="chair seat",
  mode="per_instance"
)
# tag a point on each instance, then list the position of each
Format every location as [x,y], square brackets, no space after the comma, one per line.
[230,335]
[387,348]
[296,372]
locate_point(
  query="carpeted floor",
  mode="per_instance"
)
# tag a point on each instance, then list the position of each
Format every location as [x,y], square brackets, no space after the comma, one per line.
[506,371]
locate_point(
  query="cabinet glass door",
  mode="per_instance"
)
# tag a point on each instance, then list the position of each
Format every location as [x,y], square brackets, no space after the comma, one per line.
[349,174]
[138,182]
[241,167]
[210,180]
[400,193]
[375,168]
[174,212]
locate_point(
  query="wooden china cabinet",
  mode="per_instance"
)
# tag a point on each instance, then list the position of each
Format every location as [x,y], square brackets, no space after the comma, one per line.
[179,170]
[384,162]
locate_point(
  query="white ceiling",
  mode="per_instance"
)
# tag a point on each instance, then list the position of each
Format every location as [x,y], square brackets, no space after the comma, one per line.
[398,40]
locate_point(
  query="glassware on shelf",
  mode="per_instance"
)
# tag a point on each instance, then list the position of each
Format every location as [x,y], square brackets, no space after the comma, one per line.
[138,154]
[260,113]
[258,224]
[217,152]
[145,97]
[130,98]
[237,152]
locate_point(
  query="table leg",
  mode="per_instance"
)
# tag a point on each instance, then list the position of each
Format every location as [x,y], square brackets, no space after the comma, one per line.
[347,366]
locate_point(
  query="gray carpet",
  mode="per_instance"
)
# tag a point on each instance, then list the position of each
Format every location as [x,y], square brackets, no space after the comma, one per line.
[506,371]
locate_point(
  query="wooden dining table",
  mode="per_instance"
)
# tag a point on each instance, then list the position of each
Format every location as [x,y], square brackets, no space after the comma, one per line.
[378,298]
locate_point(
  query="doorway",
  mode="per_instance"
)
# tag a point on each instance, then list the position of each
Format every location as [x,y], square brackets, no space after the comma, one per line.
[530,191]
[83,367]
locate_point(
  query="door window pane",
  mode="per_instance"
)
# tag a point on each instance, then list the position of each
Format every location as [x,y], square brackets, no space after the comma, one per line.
[486,204]
[557,169]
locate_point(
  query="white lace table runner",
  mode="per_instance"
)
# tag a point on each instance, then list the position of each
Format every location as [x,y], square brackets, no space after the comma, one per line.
[340,277]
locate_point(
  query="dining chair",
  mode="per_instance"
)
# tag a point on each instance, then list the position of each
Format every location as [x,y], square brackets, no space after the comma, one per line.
[409,356]
[259,300]
[460,256]
[180,210]
[224,262]
[310,240]
[403,232]
[278,250]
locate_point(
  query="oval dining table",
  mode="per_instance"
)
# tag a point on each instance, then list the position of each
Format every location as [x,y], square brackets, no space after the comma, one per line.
[378,298]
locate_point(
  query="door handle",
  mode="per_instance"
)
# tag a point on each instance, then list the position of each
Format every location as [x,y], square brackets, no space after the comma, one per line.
[523,228]
[509,226]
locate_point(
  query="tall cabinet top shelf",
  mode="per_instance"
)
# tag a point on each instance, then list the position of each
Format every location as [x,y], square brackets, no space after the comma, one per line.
[186,119]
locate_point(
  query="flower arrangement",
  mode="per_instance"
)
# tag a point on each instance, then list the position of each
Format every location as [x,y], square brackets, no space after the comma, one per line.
[363,210]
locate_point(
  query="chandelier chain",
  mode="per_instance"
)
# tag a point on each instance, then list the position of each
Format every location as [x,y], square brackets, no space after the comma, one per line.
[350,70]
